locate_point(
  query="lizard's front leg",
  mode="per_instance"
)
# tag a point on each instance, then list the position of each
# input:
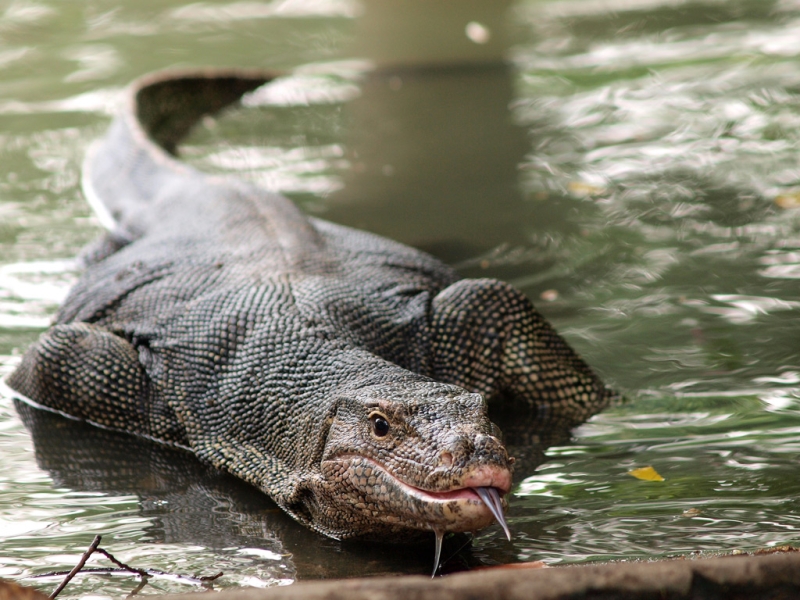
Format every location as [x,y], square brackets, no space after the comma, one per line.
[89,373]
[488,338]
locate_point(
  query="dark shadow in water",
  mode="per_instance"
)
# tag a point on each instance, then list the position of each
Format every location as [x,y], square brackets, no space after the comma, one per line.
[434,156]
[190,503]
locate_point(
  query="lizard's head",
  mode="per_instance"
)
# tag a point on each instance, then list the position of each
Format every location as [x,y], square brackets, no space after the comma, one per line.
[400,459]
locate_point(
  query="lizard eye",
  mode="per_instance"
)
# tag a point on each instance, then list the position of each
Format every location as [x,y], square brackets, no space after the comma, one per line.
[380,425]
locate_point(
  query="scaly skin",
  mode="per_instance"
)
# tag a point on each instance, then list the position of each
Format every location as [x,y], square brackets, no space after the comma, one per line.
[345,375]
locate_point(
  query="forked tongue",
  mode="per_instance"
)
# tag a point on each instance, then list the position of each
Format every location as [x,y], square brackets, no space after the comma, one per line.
[491,498]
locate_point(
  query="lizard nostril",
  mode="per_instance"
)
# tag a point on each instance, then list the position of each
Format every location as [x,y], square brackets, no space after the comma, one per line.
[446,458]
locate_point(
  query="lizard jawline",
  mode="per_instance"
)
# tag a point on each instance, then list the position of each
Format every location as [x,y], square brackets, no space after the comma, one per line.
[457,509]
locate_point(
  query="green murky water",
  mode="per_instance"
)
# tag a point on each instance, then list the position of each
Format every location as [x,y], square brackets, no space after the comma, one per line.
[635,172]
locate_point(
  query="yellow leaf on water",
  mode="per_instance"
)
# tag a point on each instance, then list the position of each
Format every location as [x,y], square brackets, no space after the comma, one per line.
[646,474]
[583,189]
[788,200]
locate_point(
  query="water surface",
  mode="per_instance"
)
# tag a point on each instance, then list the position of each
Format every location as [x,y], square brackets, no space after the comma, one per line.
[634,171]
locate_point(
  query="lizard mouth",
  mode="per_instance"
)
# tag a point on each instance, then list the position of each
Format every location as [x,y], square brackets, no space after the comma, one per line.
[488,494]
[473,504]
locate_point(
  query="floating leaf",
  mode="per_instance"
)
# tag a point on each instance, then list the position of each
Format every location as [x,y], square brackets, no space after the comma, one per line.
[583,189]
[646,474]
[789,200]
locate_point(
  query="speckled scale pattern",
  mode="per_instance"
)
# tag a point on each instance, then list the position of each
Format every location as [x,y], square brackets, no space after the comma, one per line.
[218,318]
[490,339]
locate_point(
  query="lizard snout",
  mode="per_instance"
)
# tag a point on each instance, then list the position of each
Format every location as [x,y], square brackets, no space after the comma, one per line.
[463,460]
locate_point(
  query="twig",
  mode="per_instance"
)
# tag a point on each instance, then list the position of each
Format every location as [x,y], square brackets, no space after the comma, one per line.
[121,564]
[77,567]
[96,570]
[145,574]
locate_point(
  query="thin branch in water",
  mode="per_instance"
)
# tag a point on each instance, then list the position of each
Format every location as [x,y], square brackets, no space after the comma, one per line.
[77,567]
[145,574]
[205,581]
[95,570]
[121,564]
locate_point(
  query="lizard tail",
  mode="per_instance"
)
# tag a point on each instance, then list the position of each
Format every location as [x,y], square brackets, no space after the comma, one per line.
[135,161]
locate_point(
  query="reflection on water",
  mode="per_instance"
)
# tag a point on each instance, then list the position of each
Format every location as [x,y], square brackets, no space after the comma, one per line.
[635,173]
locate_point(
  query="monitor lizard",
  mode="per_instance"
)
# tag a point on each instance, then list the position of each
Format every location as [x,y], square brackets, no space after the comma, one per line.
[346,375]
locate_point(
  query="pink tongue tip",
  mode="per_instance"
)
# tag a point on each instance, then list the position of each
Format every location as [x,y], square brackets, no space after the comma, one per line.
[491,498]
